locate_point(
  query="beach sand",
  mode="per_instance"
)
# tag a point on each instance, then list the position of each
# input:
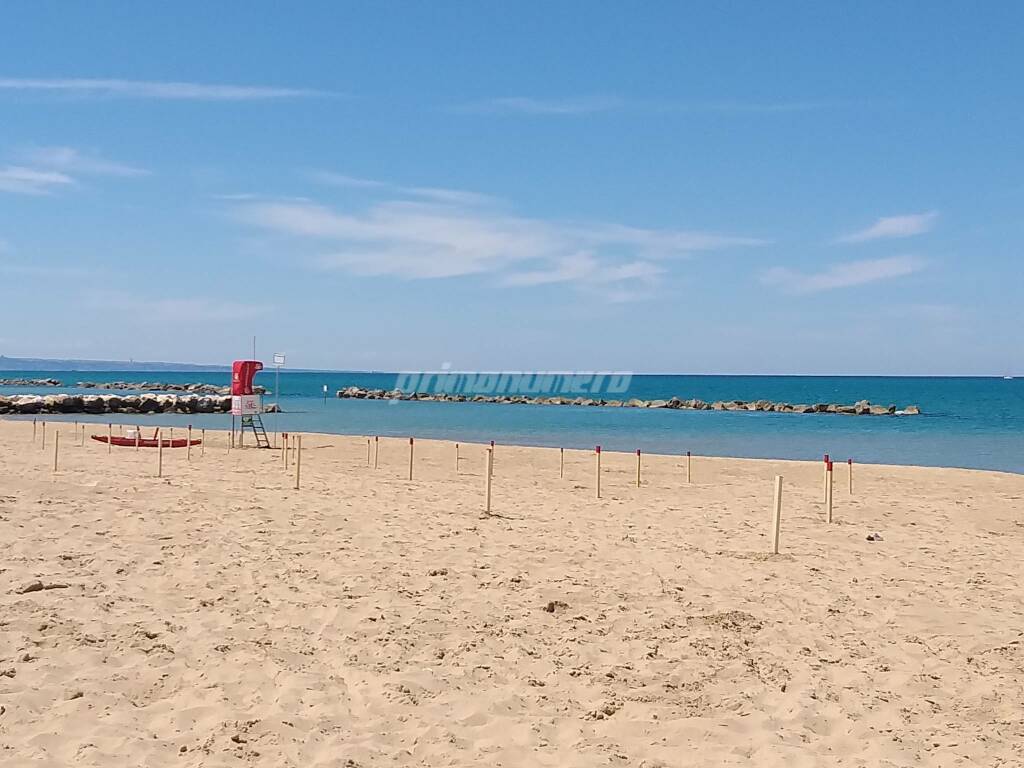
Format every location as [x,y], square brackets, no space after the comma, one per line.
[218,617]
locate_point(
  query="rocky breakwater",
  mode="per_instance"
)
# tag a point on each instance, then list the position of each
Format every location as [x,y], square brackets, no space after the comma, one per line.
[156,386]
[30,383]
[97,404]
[860,408]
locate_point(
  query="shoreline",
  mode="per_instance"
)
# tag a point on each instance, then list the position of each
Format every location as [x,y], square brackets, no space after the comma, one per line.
[839,461]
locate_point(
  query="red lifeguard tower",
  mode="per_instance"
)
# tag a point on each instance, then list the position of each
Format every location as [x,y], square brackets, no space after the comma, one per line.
[245,402]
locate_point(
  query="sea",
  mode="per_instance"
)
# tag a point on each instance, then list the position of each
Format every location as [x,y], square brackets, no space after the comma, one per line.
[971,422]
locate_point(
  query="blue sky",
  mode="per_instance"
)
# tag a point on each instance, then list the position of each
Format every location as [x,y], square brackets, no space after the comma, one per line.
[664,187]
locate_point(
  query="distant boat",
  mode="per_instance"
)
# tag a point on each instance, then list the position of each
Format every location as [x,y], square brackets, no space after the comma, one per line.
[1007,377]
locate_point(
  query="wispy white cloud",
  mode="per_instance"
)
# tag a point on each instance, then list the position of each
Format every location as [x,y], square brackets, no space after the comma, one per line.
[586,105]
[43,170]
[333,179]
[32,181]
[417,239]
[436,194]
[148,89]
[886,227]
[845,275]
[71,160]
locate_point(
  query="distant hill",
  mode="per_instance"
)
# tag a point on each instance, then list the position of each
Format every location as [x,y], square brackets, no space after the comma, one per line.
[38,364]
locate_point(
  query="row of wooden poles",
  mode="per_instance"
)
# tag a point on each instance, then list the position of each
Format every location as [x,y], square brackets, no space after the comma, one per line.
[291,450]
[39,432]
[489,476]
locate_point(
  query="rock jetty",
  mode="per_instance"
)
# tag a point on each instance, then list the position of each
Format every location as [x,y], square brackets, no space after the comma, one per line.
[29,383]
[860,408]
[156,386]
[147,403]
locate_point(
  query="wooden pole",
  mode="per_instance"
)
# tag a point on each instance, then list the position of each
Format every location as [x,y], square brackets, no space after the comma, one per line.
[76,431]
[298,460]
[824,488]
[284,447]
[637,467]
[376,451]
[110,436]
[849,464]
[44,436]
[597,469]
[159,454]
[171,438]
[202,443]
[688,467]
[56,449]
[367,451]
[83,436]
[828,493]
[138,434]
[410,459]
[33,431]
[776,514]
[561,463]
[188,447]
[489,472]
[456,458]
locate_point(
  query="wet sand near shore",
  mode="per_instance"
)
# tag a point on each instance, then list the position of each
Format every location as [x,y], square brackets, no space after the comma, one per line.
[217,616]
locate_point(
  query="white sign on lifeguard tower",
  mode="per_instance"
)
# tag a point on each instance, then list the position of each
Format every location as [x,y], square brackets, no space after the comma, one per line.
[246,405]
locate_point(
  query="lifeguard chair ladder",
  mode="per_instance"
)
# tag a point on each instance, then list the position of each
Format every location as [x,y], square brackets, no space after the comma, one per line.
[255,423]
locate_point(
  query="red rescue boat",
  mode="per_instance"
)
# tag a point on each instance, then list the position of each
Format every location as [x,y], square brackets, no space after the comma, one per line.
[132,439]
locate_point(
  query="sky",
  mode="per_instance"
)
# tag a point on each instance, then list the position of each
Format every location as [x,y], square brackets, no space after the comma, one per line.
[776,188]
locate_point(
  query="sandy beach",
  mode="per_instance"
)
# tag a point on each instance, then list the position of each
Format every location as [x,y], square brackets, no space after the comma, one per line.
[218,617]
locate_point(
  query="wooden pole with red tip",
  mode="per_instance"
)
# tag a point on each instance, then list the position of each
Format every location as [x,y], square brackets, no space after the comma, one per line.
[824,490]
[689,462]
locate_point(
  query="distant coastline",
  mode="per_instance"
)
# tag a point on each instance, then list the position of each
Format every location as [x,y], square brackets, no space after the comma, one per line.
[42,364]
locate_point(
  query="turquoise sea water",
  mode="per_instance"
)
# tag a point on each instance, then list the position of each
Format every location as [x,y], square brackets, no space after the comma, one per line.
[966,422]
